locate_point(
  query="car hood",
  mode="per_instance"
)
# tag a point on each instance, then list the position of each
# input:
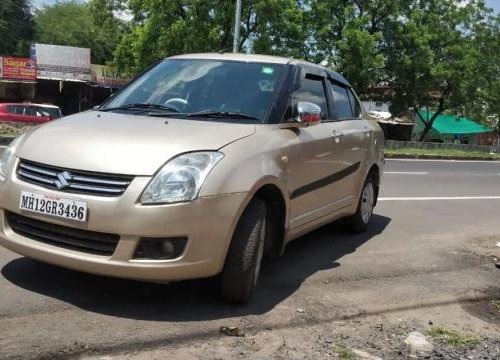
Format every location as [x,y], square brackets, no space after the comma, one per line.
[124,144]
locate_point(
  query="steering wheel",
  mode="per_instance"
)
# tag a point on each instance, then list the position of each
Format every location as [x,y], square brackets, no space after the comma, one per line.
[178,103]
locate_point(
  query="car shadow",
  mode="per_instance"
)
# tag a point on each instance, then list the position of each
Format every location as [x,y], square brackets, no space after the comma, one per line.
[195,299]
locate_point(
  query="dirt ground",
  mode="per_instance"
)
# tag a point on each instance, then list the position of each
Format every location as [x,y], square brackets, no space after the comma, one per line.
[379,336]
[311,330]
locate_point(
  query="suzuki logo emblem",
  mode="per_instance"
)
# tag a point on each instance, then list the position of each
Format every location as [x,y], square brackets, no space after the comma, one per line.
[62,180]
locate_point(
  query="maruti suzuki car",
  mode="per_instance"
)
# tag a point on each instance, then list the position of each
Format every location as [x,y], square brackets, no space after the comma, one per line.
[200,166]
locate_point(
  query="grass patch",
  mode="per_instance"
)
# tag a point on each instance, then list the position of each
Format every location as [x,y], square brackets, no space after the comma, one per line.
[453,337]
[445,153]
[7,129]
[344,353]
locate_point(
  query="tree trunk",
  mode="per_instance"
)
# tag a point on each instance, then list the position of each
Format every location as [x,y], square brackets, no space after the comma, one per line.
[428,125]
[441,108]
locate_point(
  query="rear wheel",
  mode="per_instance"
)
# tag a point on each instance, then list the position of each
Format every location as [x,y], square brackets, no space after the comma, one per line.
[360,221]
[244,258]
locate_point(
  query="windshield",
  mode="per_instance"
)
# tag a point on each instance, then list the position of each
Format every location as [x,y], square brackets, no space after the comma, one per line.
[190,86]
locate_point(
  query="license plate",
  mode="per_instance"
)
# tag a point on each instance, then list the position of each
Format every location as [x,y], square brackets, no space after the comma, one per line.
[53,206]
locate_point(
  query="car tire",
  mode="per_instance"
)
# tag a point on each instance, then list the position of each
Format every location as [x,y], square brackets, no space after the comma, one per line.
[360,221]
[244,257]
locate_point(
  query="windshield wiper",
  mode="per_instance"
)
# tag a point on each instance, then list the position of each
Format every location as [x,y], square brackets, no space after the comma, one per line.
[222,114]
[141,106]
[207,114]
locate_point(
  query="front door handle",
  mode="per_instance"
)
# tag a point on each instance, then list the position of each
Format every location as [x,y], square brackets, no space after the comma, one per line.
[337,135]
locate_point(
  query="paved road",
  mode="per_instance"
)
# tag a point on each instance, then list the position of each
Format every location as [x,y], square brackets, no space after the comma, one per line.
[420,257]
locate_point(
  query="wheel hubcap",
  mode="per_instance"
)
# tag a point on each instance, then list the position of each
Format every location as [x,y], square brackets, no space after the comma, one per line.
[260,251]
[367,199]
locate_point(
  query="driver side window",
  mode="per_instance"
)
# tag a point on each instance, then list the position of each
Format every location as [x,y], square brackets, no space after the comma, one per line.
[312,90]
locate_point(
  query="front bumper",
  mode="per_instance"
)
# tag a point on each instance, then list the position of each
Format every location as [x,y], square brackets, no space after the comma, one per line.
[208,224]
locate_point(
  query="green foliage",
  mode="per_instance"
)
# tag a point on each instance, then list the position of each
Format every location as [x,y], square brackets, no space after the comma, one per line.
[437,53]
[431,55]
[16,27]
[350,37]
[486,104]
[358,58]
[434,53]
[344,353]
[164,28]
[453,337]
[73,23]
[441,153]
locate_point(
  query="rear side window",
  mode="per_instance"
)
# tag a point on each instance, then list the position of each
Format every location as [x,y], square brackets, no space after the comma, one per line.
[345,104]
[15,109]
[40,111]
[50,111]
[356,107]
[312,90]
[31,111]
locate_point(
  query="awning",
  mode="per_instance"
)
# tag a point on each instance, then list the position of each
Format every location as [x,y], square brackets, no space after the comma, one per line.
[60,79]
[10,81]
[451,124]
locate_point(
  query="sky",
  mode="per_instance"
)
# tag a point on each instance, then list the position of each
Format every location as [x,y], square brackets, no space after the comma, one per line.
[495,4]
[40,3]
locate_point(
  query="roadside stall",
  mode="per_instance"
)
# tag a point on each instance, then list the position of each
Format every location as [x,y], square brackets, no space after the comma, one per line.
[449,128]
[62,73]
[17,79]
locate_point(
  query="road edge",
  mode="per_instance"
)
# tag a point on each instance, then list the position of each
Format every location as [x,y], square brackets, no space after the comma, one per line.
[440,157]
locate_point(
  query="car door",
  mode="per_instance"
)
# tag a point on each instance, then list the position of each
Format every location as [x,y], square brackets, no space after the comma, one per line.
[354,136]
[4,112]
[28,114]
[314,162]
[33,115]
[16,113]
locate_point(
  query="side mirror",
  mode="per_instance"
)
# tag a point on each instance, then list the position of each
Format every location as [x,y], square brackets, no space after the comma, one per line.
[307,113]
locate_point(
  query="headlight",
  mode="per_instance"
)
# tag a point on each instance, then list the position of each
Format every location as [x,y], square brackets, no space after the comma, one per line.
[7,156]
[181,178]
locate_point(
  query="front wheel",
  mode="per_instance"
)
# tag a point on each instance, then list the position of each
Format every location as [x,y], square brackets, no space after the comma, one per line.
[360,221]
[244,258]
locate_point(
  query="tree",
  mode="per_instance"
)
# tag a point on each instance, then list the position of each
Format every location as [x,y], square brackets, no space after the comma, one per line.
[486,106]
[107,28]
[16,27]
[91,25]
[428,51]
[277,27]
[163,28]
[348,36]
[438,53]
[431,57]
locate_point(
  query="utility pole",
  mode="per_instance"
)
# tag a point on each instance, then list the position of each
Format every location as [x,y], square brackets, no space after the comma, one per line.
[237,23]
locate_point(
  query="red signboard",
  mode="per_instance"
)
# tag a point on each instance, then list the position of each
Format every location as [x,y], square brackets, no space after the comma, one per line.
[18,68]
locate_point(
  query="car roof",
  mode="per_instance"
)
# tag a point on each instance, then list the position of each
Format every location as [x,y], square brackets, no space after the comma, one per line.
[45,105]
[30,104]
[257,58]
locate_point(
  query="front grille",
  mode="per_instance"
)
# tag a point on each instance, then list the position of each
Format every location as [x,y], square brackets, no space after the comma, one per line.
[62,236]
[74,181]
